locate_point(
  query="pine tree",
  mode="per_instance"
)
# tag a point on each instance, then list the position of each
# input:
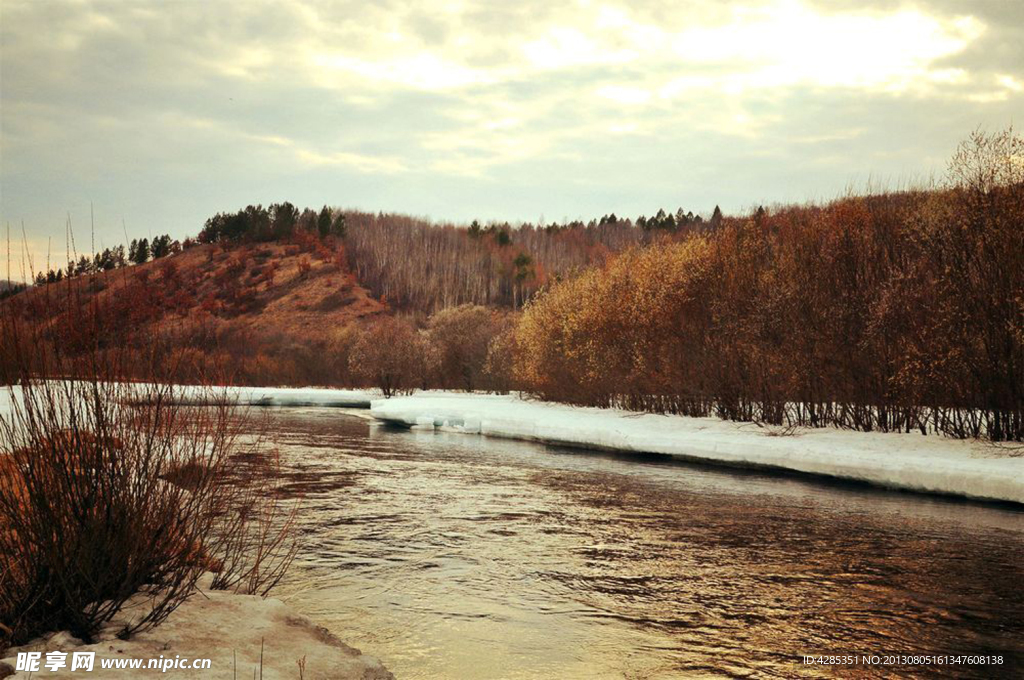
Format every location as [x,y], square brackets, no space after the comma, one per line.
[324,221]
[284,216]
[161,246]
[716,217]
[138,251]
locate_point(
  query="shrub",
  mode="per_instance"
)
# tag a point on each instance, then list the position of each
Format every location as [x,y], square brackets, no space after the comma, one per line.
[460,337]
[89,518]
[388,355]
[891,312]
[110,488]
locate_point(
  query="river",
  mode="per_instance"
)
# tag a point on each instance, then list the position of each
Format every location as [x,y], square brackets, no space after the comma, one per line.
[455,556]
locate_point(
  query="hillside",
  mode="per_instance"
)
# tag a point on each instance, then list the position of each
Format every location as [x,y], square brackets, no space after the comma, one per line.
[259,312]
[274,295]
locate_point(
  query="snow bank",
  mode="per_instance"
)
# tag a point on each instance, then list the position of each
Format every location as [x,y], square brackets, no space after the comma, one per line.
[903,461]
[278,396]
[244,396]
[227,629]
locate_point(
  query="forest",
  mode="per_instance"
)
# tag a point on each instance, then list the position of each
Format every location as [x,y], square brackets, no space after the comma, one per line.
[894,311]
[890,312]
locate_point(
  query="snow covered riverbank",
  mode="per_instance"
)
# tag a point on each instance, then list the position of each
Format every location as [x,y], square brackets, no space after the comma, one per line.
[243,396]
[229,630]
[902,461]
[279,396]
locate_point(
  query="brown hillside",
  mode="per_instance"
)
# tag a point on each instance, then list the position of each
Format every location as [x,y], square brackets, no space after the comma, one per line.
[270,311]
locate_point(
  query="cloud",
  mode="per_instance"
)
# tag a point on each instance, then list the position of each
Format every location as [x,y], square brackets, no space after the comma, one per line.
[167,113]
[624,94]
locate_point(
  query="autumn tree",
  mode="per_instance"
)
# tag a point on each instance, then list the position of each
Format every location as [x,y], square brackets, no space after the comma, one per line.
[502,354]
[973,243]
[461,336]
[387,355]
[889,312]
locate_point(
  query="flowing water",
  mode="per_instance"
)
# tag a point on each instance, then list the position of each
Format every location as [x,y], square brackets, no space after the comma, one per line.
[455,556]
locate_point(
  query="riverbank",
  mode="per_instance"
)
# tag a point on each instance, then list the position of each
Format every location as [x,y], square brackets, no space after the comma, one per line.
[913,462]
[278,396]
[233,631]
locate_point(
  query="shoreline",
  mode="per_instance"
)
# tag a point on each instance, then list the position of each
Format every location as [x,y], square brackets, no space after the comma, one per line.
[235,632]
[906,462]
[913,462]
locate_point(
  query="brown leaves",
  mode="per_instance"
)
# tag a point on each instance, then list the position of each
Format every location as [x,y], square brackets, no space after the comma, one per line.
[885,312]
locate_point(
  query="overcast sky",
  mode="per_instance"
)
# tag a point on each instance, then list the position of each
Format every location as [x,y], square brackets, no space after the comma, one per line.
[161,113]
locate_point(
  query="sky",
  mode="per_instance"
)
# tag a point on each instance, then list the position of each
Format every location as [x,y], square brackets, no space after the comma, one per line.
[142,118]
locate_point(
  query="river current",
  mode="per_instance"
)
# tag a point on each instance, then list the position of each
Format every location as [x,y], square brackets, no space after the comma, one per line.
[455,556]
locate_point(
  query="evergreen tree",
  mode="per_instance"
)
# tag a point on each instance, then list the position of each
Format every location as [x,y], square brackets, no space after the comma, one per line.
[324,221]
[716,217]
[117,258]
[338,226]
[84,266]
[161,246]
[284,217]
[257,223]
[308,221]
[138,251]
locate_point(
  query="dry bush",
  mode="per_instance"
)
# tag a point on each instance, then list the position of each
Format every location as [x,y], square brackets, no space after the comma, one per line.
[891,312]
[619,335]
[254,539]
[89,519]
[109,488]
[499,367]
[388,355]
[338,351]
[460,337]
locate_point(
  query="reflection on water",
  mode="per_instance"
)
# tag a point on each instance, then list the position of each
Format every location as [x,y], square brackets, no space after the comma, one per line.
[453,556]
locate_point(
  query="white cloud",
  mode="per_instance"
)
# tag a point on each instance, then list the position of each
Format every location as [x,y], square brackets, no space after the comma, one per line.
[563,46]
[362,162]
[624,94]
[1010,83]
[787,44]
[183,99]
[422,70]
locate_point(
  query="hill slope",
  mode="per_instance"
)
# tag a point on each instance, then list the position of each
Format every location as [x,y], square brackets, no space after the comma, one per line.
[269,311]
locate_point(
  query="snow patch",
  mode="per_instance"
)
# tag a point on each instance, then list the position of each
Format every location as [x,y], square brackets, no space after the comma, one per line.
[226,628]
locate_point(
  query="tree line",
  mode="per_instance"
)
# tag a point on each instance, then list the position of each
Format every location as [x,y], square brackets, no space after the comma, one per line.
[416,265]
[139,251]
[278,222]
[423,267]
[886,312]
[420,266]
[890,312]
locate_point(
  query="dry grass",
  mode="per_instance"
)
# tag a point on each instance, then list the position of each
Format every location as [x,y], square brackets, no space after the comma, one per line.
[109,488]
[248,307]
